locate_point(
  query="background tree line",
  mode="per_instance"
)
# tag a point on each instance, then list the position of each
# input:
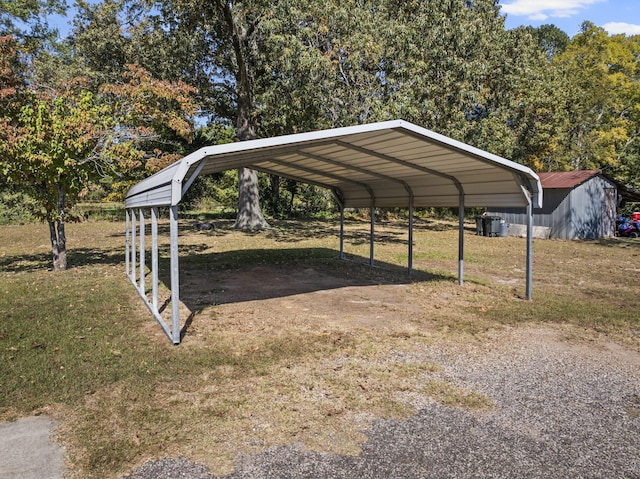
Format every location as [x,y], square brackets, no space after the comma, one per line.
[139,83]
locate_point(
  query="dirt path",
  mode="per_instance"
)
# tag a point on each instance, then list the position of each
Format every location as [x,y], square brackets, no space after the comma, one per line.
[562,409]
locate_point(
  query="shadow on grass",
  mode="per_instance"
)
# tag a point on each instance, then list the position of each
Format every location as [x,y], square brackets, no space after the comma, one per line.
[25,262]
[76,257]
[212,279]
[356,231]
[298,230]
[255,274]
[616,242]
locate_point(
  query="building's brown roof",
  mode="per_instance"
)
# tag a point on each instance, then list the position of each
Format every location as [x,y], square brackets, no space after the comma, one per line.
[566,179]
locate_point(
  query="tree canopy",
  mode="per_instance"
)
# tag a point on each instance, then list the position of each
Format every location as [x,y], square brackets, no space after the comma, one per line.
[58,138]
[270,68]
[601,72]
[121,95]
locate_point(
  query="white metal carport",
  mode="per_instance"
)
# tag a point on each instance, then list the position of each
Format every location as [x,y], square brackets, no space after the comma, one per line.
[388,164]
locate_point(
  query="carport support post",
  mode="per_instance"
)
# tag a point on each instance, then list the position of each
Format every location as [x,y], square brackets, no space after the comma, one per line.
[372,232]
[154,259]
[134,263]
[529,249]
[410,252]
[127,242]
[142,286]
[461,241]
[175,276]
[341,232]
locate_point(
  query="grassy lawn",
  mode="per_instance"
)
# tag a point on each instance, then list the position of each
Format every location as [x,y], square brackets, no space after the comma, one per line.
[81,346]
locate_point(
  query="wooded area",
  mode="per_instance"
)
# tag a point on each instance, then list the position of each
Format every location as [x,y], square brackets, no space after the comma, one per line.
[139,83]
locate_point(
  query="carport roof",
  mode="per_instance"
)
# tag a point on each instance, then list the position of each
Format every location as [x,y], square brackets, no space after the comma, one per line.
[385,164]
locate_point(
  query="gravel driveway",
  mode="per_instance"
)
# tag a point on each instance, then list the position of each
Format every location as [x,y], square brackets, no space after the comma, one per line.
[563,410]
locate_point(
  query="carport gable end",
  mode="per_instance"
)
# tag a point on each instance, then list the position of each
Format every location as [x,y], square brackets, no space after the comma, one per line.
[388,164]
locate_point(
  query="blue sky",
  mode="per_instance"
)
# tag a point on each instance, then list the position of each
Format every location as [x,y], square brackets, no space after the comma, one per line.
[615,16]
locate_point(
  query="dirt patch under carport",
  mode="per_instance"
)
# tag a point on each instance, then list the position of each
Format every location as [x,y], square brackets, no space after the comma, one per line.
[278,296]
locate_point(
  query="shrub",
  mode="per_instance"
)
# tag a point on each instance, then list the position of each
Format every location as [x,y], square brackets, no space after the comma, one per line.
[16,207]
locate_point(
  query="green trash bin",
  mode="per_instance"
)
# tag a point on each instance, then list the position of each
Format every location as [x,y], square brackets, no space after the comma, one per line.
[492,225]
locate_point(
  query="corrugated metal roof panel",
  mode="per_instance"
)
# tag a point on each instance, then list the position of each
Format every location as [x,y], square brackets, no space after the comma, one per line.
[566,179]
[386,161]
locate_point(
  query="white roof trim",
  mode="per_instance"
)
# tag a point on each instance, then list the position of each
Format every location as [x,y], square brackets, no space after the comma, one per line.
[389,160]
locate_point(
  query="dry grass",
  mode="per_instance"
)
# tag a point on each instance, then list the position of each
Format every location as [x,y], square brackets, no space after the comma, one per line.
[286,344]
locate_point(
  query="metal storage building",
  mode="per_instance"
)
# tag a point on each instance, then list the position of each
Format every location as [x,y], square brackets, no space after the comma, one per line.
[577,205]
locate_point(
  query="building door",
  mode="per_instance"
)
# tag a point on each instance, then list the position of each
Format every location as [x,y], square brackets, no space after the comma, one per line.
[609,216]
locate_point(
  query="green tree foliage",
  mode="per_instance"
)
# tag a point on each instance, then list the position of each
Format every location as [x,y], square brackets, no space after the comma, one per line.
[282,67]
[265,67]
[100,46]
[220,41]
[526,118]
[270,68]
[25,10]
[335,55]
[56,139]
[448,66]
[551,40]
[26,20]
[602,74]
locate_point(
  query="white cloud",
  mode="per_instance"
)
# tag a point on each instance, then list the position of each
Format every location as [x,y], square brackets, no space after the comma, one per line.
[615,28]
[539,17]
[543,9]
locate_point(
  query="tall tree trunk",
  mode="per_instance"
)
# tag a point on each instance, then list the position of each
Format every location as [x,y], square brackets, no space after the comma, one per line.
[274,181]
[249,211]
[56,231]
[293,195]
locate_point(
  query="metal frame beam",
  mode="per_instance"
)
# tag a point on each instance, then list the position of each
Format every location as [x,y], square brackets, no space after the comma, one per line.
[133,263]
[268,152]
[142,270]
[423,169]
[461,209]
[154,258]
[194,175]
[341,232]
[136,267]
[364,186]
[372,231]
[175,275]
[339,198]
[127,247]
[375,174]
[529,285]
[529,259]
[359,169]
[410,246]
